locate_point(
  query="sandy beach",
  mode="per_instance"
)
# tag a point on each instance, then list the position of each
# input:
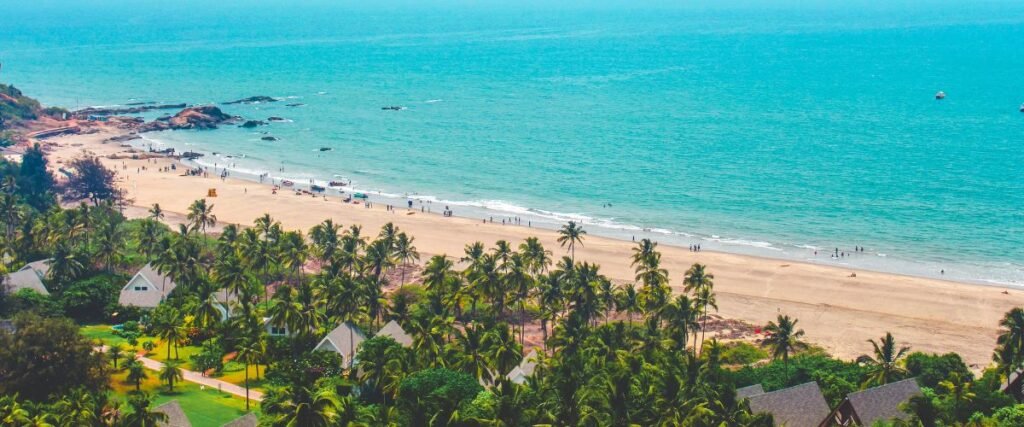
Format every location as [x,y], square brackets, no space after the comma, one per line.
[839,309]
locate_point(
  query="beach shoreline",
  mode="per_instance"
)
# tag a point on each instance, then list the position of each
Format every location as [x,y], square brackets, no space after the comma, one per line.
[838,307]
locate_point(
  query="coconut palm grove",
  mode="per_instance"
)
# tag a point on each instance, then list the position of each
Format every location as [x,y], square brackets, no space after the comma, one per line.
[343,326]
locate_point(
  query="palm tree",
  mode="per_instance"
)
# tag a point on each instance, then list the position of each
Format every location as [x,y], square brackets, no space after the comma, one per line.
[501,349]
[200,215]
[884,367]
[136,373]
[958,389]
[304,407]
[571,234]
[155,213]
[150,232]
[324,237]
[115,352]
[66,265]
[406,253]
[248,353]
[783,339]
[1011,338]
[141,415]
[284,310]
[293,252]
[701,283]
[626,300]
[681,316]
[170,373]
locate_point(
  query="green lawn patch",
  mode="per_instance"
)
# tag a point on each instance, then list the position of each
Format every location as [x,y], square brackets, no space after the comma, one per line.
[205,408]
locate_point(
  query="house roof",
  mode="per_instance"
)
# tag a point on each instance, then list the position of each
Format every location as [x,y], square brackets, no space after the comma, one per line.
[343,341]
[525,368]
[25,279]
[175,415]
[748,391]
[1011,379]
[882,402]
[798,406]
[41,267]
[159,288]
[394,330]
[247,420]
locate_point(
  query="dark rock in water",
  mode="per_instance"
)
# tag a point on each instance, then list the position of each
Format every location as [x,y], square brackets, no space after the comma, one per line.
[139,103]
[191,155]
[123,138]
[202,117]
[269,138]
[252,123]
[164,118]
[251,100]
[86,112]
[326,148]
[275,119]
[393,108]
[297,104]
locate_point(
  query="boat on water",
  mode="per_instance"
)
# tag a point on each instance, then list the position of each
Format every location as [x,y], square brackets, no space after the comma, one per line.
[940,95]
[317,188]
[337,184]
[1022,108]
[361,196]
[287,183]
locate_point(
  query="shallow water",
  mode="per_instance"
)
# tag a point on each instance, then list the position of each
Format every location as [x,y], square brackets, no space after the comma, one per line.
[768,132]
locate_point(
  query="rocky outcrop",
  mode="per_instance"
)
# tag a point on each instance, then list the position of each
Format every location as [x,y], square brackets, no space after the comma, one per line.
[275,119]
[252,100]
[252,123]
[111,111]
[202,117]
[269,138]
[297,104]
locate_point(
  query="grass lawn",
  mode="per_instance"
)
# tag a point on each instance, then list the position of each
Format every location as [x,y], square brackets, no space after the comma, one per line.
[203,407]
[234,373]
[102,333]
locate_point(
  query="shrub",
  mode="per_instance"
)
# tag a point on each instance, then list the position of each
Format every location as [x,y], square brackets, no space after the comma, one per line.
[435,393]
[930,369]
[742,353]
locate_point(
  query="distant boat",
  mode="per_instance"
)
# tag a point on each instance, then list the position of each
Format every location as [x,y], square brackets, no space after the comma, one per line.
[287,183]
[336,184]
[361,196]
[317,188]
[940,95]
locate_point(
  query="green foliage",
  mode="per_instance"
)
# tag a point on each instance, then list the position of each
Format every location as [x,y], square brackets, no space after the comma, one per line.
[930,369]
[22,108]
[46,357]
[92,299]
[91,180]
[482,407]
[772,376]
[34,182]
[436,391]
[209,357]
[741,353]
[28,300]
[1010,416]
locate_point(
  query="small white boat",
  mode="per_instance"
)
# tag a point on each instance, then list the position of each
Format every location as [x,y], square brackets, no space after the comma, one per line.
[940,95]
[1022,108]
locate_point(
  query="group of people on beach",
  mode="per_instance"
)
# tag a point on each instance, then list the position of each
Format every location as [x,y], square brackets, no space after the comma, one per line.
[695,248]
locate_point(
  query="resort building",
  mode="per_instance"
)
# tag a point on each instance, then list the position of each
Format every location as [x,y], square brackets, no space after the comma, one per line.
[394,330]
[146,289]
[275,331]
[746,392]
[798,406]
[865,407]
[1014,385]
[344,340]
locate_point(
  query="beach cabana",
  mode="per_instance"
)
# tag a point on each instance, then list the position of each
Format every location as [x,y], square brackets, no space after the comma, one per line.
[146,289]
[880,403]
[275,331]
[798,406]
[175,415]
[344,340]
[41,267]
[394,330]
[520,373]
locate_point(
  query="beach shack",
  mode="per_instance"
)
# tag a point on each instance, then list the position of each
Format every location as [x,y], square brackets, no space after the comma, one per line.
[1014,385]
[746,392]
[146,289]
[880,403]
[394,330]
[344,340]
[798,406]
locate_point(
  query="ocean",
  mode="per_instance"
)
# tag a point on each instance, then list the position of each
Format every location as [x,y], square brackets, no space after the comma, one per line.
[766,130]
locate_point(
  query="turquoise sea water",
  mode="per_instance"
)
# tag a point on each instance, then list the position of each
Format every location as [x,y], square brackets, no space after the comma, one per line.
[764,131]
